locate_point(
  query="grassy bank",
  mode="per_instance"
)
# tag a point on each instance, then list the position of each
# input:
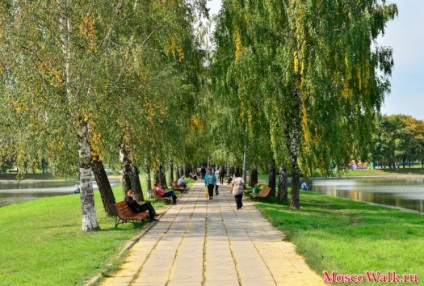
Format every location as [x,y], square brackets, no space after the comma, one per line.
[41,242]
[351,237]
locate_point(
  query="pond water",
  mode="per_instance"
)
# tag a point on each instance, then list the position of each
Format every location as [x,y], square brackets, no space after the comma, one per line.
[16,192]
[401,193]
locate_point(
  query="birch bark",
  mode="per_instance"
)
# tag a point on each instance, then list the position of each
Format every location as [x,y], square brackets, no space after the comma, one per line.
[89,219]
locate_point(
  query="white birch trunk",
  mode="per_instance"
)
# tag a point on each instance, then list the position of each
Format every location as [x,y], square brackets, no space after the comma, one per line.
[125,168]
[89,219]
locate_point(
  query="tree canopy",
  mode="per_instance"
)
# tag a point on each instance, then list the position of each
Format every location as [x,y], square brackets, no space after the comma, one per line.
[296,84]
[315,71]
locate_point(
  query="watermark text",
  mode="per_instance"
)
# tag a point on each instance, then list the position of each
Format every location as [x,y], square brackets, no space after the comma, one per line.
[369,276]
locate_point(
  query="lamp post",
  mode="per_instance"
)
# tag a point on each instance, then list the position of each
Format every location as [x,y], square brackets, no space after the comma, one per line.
[245,156]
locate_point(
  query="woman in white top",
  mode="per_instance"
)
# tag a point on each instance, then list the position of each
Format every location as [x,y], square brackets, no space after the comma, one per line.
[237,191]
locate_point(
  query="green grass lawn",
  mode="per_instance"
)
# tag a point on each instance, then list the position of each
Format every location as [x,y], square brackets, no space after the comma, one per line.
[41,241]
[350,237]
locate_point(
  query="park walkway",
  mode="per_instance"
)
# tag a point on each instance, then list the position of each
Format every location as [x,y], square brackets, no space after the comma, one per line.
[209,242]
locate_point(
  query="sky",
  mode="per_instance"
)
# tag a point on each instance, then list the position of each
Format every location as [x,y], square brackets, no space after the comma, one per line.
[405,34]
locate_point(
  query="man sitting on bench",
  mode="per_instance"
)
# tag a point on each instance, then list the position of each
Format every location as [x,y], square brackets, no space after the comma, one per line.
[181,182]
[130,198]
[161,193]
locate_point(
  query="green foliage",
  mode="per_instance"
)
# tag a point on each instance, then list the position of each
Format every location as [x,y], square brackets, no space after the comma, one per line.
[398,139]
[131,70]
[298,63]
[298,83]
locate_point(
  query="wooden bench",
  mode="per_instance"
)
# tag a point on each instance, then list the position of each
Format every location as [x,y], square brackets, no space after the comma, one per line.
[177,187]
[157,198]
[248,192]
[263,194]
[125,214]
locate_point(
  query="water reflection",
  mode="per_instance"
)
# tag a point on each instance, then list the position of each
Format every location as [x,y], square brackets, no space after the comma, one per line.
[16,192]
[405,193]
[35,185]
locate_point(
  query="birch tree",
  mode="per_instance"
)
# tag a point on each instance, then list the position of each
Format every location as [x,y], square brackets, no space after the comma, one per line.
[93,61]
[320,74]
[59,45]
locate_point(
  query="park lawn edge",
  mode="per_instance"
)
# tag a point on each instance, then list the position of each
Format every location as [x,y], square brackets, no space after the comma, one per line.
[42,242]
[349,237]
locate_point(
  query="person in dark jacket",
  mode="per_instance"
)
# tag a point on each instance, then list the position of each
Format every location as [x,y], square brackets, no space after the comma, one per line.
[221,174]
[203,172]
[130,198]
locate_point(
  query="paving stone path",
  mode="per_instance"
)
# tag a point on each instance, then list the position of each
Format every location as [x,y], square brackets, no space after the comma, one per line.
[204,242]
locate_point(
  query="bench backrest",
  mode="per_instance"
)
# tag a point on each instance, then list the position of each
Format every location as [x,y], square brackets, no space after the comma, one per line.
[175,186]
[122,209]
[264,192]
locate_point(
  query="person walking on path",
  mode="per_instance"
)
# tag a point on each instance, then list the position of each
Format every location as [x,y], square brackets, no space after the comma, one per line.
[161,193]
[203,172]
[210,182]
[130,199]
[237,189]
[221,174]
